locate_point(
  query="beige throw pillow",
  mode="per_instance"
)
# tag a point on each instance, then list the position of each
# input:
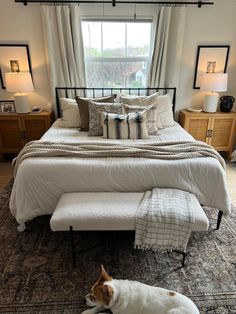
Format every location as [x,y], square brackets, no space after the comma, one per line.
[124,126]
[95,110]
[133,100]
[83,104]
[153,118]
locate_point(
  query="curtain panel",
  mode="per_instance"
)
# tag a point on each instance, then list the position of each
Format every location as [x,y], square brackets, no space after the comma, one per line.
[64,46]
[167,45]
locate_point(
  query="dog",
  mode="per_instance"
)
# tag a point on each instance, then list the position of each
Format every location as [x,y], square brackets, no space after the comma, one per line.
[132,297]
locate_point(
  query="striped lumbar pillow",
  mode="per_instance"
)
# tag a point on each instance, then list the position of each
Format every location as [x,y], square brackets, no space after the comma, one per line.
[153,117]
[124,126]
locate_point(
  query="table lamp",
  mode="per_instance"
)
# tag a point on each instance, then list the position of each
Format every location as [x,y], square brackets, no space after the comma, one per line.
[212,83]
[19,83]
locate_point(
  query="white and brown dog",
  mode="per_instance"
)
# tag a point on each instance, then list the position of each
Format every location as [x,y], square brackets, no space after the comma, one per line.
[131,297]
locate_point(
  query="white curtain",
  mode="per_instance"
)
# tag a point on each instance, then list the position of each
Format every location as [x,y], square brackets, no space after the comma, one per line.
[167,38]
[64,46]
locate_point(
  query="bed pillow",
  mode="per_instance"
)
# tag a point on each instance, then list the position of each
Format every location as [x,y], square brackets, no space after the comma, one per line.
[70,113]
[134,100]
[153,117]
[95,110]
[165,111]
[83,104]
[124,126]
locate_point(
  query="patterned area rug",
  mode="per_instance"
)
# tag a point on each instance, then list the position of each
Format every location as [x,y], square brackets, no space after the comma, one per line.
[36,273]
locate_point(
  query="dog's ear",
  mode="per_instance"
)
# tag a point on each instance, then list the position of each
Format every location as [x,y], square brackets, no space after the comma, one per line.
[107,291]
[104,275]
[104,293]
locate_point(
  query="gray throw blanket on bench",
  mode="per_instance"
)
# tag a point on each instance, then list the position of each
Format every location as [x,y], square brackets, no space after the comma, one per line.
[164,220]
[96,149]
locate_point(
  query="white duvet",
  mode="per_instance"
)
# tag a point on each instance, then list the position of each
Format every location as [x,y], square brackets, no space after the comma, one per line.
[41,181]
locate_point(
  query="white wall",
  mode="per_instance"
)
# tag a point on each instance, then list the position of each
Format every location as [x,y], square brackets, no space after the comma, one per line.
[213,25]
[22,24]
[209,25]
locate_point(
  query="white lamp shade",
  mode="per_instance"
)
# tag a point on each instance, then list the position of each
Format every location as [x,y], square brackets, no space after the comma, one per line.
[214,82]
[19,82]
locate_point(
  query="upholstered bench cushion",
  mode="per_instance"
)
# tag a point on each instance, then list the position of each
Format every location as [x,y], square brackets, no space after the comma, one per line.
[106,211]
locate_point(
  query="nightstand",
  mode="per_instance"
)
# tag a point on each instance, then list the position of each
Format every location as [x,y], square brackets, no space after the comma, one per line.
[18,129]
[216,129]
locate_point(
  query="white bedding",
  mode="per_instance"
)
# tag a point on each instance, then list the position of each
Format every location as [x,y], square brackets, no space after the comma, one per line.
[41,181]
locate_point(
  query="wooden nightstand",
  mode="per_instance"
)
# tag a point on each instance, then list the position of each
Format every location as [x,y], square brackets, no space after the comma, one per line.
[18,129]
[216,129]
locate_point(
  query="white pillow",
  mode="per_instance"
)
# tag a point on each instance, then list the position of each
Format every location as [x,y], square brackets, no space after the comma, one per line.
[134,100]
[164,109]
[70,113]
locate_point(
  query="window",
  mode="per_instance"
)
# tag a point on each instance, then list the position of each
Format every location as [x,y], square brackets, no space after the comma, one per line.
[117,54]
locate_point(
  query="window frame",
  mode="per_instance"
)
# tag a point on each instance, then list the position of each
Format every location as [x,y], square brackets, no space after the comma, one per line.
[124,59]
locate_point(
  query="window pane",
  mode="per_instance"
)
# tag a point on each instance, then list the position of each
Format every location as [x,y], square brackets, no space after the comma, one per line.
[136,73]
[116,74]
[113,39]
[94,74]
[92,39]
[138,39]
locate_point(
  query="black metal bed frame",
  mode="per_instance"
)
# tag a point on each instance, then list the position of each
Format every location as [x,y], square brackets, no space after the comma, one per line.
[72,92]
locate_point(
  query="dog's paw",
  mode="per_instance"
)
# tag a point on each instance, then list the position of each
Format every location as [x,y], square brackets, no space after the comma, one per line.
[87,312]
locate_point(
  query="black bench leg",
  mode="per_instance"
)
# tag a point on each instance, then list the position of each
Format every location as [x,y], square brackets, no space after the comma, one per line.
[220,214]
[184,256]
[72,245]
[183,260]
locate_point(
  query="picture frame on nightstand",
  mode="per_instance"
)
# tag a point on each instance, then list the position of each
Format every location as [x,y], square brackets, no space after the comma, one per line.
[7,106]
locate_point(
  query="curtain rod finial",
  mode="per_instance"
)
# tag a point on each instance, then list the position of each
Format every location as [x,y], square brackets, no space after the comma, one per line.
[113,3]
[199,4]
[25,2]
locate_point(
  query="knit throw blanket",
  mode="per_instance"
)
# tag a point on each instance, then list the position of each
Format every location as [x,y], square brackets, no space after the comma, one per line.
[164,220]
[96,149]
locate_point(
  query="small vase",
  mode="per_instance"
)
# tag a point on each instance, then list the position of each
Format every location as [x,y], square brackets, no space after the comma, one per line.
[226,103]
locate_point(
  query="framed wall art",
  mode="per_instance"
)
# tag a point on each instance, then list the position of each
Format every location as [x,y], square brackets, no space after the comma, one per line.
[14,58]
[210,59]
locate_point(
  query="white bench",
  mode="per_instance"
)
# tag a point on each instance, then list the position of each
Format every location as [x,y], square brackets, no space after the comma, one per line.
[105,211]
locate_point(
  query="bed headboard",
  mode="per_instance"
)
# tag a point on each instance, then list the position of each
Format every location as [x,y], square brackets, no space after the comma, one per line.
[72,92]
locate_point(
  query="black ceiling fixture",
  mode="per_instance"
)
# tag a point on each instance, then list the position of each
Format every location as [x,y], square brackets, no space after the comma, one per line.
[114,2]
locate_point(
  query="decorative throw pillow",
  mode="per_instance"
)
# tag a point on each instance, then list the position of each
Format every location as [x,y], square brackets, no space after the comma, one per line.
[165,111]
[83,104]
[134,100]
[95,109]
[70,113]
[153,118]
[125,126]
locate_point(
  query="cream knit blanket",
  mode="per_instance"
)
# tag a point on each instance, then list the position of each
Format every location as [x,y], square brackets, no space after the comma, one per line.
[96,149]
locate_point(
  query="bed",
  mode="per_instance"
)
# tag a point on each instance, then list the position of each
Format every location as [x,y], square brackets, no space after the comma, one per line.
[40,182]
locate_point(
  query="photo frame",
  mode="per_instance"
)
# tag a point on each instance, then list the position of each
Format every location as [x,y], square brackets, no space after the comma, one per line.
[14,58]
[7,106]
[210,59]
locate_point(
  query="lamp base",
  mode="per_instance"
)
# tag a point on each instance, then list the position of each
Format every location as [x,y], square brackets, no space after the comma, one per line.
[22,103]
[210,102]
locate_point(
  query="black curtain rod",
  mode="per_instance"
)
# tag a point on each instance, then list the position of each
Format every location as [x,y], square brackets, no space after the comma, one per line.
[114,2]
